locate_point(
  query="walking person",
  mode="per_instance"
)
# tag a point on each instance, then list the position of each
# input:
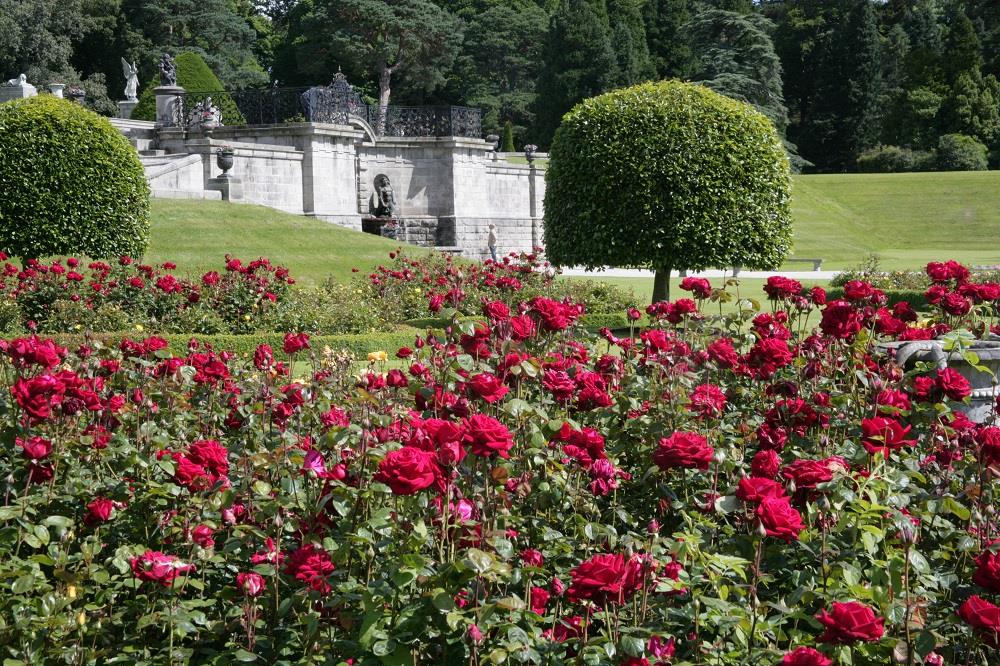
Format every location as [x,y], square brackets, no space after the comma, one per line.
[491,241]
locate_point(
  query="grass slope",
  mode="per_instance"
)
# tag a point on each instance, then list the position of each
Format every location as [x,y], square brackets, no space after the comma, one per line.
[907,219]
[198,234]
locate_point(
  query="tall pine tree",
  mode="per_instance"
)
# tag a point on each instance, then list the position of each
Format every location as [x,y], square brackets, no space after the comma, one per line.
[579,61]
[668,48]
[844,117]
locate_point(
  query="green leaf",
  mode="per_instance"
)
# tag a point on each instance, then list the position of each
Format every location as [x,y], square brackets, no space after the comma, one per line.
[23,584]
[244,656]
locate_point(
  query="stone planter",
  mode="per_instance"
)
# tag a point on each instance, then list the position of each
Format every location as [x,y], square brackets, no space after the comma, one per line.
[224,160]
[985,387]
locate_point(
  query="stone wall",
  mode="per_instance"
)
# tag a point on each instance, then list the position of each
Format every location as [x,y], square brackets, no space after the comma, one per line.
[448,189]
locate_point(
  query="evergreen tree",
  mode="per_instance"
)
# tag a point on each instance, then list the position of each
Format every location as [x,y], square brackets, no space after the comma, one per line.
[578,62]
[844,118]
[628,39]
[507,145]
[962,51]
[734,55]
[668,49]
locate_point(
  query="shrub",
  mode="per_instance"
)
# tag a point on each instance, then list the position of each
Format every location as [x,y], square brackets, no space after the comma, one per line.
[894,159]
[195,76]
[70,183]
[508,138]
[10,316]
[330,310]
[958,152]
[667,175]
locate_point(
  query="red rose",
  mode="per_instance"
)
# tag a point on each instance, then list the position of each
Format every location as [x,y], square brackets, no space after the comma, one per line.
[984,617]
[157,567]
[559,384]
[36,448]
[251,584]
[312,566]
[938,271]
[191,475]
[721,351]
[850,622]
[893,398]
[955,304]
[211,455]
[539,600]
[486,436]
[767,357]
[700,287]
[857,290]
[818,295]
[683,450]
[807,474]
[295,342]
[553,315]
[707,400]
[805,656]
[522,327]
[778,287]
[989,446]
[753,489]
[496,311]
[987,573]
[771,437]
[923,387]
[840,320]
[98,511]
[882,435]
[408,470]
[779,519]
[202,535]
[263,357]
[765,464]
[953,384]
[487,386]
[38,395]
[606,578]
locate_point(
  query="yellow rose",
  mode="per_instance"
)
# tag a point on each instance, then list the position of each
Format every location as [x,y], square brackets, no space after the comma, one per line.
[138,327]
[377,356]
[71,591]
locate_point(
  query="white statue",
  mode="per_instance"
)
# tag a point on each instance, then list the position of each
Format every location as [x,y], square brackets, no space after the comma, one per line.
[131,80]
[19,81]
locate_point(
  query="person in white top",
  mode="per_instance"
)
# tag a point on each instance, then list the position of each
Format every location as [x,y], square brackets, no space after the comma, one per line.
[491,241]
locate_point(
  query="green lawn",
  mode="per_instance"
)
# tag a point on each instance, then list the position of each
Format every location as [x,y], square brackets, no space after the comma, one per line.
[907,219]
[198,234]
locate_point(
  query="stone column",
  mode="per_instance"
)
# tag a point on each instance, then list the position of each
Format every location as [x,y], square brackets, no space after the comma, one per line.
[169,105]
[126,107]
[533,206]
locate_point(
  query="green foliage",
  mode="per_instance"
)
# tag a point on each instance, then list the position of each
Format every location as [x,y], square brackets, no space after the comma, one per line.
[507,144]
[667,174]
[894,159]
[334,308]
[71,183]
[10,316]
[958,152]
[668,48]
[194,75]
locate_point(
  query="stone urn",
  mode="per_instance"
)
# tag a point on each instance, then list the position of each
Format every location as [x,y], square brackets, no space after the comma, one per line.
[985,386]
[224,160]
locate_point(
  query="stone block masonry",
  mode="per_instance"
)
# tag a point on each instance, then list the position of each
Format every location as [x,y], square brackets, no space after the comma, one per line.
[448,189]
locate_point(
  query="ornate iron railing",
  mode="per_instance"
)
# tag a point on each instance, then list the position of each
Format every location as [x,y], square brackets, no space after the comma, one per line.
[337,104]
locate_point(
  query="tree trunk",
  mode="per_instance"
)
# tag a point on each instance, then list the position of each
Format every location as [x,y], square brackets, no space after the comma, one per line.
[384,90]
[661,283]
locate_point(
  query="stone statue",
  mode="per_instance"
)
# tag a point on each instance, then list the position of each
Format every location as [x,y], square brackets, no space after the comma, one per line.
[19,81]
[131,80]
[383,201]
[168,71]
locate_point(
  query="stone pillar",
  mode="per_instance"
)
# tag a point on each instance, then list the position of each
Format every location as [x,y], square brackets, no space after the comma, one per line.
[169,105]
[126,107]
[533,206]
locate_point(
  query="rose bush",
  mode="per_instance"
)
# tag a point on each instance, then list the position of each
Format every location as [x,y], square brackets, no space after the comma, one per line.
[749,488]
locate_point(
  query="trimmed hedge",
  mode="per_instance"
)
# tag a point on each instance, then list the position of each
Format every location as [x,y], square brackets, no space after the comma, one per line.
[70,183]
[914,297]
[245,345]
[195,76]
[667,175]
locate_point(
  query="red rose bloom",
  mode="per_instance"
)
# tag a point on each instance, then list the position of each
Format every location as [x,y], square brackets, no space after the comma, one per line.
[707,400]
[496,311]
[486,436]
[953,384]
[984,617]
[683,450]
[779,519]
[295,342]
[157,567]
[485,385]
[765,464]
[312,566]
[98,511]
[807,474]
[408,470]
[250,583]
[850,622]
[202,535]
[840,320]
[767,356]
[778,287]
[522,327]
[211,455]
[721,351]
[857,290]
[606,578]
[989,445]
[36,448]
[882,435]
[700,287]
[753,489]
[805,656]
[987,572]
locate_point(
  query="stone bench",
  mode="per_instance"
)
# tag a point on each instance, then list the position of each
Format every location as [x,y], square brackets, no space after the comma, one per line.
[817,263]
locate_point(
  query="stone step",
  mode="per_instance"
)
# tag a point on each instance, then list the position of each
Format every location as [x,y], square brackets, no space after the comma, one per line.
[152,153]
[212,195]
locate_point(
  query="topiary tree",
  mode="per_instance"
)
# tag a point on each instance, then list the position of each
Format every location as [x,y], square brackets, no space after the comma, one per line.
[71,183]
[667,175]
[195,76]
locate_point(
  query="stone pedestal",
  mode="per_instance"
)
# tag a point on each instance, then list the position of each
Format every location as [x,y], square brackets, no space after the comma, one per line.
[230,187]
[419,230]
[126,107]
[169,105]
[19,91]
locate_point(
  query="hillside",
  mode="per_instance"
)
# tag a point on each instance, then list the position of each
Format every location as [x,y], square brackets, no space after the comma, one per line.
[907,219]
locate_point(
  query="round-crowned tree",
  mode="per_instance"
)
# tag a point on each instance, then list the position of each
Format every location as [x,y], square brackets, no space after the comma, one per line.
[667,175]
[71,183]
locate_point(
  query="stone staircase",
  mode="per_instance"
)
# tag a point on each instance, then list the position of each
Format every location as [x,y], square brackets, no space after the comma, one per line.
[175,176]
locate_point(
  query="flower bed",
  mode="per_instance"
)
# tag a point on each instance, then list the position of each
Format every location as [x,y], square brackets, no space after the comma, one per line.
[518,491]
